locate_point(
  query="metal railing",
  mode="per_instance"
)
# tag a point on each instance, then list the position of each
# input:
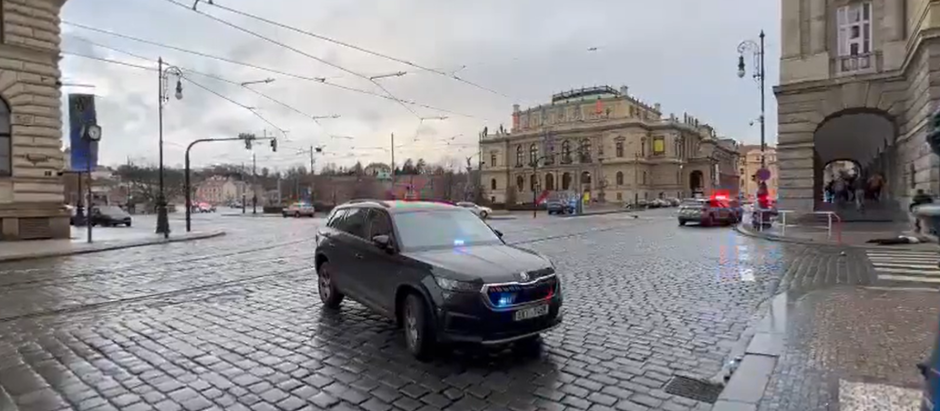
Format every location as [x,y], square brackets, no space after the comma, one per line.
[833,222]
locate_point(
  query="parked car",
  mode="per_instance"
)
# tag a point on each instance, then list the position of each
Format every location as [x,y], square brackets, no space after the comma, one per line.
[441,273]
[480,211]
[299,210]
[110,216]
[560,206]
[707,212]
[204,208]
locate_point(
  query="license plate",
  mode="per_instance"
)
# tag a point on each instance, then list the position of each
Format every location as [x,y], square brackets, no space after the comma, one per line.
[531,312]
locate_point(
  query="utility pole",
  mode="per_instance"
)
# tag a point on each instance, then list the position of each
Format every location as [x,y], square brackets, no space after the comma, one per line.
[311,159]
[244,200]
[393,164]
[254,180]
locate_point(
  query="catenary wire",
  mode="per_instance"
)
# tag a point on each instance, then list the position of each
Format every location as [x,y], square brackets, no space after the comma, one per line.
[298,51]
[354,47]
[320,80]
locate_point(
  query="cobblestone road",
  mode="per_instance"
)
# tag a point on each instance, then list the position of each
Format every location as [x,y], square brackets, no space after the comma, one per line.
[235,323]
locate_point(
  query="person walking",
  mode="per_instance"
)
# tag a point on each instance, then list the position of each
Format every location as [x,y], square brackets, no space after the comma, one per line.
[919,199]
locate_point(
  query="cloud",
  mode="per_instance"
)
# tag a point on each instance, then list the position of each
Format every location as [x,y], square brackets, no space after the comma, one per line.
[681,54]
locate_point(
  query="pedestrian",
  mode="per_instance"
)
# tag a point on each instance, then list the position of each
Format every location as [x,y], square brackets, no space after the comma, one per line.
[919,199]
[875,186]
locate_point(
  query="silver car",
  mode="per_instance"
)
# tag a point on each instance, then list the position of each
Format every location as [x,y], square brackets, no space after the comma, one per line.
[480,211]
[299,210]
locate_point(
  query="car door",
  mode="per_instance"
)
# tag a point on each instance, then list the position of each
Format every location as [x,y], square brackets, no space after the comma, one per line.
[335,248]
[351,239]
[382,266]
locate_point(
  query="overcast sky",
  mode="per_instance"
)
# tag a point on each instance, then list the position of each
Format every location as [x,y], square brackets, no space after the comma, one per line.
[679,53]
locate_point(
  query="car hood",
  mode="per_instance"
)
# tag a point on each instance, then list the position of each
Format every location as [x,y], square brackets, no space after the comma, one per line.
[490,263]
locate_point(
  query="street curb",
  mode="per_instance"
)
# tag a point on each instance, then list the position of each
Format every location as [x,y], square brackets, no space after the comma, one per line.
[93,249]
[758,360]
[597,213]
[250,215]
[769,237]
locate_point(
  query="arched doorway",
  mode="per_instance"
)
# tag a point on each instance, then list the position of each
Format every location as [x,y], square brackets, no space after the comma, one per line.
[696,181]
[549,181]
[586,181]
[566,181]
[857,144]
[520,183]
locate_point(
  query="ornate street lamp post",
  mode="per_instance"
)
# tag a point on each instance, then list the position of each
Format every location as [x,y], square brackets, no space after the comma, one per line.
[757,49]
[163,222]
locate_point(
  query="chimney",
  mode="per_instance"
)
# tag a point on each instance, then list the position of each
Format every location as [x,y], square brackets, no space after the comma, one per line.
[515,108]
[625,91]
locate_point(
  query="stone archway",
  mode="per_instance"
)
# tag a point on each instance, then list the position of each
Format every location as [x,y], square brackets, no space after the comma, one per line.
[696,181]
[865,138]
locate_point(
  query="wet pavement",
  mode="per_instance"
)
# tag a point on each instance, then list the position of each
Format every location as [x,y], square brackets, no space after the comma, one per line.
[854,349]
[235,323]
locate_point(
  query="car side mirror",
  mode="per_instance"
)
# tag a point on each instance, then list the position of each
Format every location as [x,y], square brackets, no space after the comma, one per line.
[383,241]
[498,233]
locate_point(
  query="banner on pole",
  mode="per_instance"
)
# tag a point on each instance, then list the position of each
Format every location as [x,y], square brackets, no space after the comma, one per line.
[81,113]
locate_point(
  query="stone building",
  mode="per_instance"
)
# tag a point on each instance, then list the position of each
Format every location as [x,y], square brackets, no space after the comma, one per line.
[31,192]
[856,83]
[622,148]
[748,165]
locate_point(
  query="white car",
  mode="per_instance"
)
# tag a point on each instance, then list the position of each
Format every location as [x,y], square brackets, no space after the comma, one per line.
[480,211]
[299,210]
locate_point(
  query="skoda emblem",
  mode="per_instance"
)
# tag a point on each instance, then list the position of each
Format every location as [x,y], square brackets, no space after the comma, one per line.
[524,276]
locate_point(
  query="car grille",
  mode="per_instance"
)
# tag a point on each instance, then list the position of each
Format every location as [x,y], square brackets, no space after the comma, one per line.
[511,295]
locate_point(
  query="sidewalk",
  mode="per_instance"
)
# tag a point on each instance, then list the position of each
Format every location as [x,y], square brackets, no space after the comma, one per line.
[852,234]
[103,239]
[847,348]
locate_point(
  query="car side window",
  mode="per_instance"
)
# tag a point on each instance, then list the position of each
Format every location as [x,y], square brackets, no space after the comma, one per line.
[354,222]
[336,217]
[379,224]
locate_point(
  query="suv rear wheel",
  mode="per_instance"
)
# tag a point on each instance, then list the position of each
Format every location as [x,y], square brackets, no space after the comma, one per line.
[329,295]
[419,336]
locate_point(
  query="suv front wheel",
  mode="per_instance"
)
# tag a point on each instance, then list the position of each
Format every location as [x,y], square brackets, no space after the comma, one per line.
[419,335]
[329,295]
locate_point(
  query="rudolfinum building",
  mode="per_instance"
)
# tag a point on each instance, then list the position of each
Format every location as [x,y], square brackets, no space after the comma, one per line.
[857,84]
[31,192]
[607,144]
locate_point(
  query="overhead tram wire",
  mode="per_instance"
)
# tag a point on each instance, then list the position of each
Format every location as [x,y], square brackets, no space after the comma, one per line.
[212,76]
[296,50]
[354,47]
[318,80]
[217,94]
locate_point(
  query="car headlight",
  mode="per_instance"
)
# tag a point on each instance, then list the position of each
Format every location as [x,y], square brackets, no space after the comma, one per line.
[455,285]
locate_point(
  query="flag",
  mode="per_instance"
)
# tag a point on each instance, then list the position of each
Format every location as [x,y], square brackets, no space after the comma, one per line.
[599,106]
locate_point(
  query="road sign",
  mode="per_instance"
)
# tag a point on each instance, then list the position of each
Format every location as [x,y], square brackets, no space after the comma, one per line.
[763,174]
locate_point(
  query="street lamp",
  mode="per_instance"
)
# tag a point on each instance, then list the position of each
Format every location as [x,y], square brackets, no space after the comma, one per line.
[163,222]
[749,46]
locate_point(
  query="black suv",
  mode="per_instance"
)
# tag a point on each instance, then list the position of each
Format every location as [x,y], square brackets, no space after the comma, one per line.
[437,270]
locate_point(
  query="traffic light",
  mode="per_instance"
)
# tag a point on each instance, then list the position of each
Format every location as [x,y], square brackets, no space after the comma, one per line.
[247,144]
[319,149]
[933,133]
[274,145]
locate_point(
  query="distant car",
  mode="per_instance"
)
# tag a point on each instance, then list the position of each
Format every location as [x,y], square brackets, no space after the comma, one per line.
[707,212]
[299,210]
[204,208]
[560,206]
[480,211]
[110,216]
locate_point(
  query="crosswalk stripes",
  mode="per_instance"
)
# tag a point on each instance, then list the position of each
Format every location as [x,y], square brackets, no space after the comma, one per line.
[906,265]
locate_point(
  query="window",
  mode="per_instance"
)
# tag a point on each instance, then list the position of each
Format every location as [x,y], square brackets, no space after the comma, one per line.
[493,160]
[549,181]
[584,151]
[619,149]
[644,178]
[335,218]
[6,140]
[493,184]
[855,45]
[519,156]
[354,222]
[659,146]
[566,152]
[442,229]
[520,183]
[619,196]
[619,178]
[533,154]
[643,147]
[379,224]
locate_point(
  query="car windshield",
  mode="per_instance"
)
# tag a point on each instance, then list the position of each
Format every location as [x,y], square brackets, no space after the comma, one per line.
[442,228]
[111,210]
[692,204]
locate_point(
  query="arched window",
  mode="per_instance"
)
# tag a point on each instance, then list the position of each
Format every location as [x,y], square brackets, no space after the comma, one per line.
[493,160]
[619,149]
[549,181]
[565,181]
[518,156]
[643,147]
[619,178]
[566,152]
[678,152]
[584,150]
[533,154]
[493,184]
[520,183]
[6,140]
